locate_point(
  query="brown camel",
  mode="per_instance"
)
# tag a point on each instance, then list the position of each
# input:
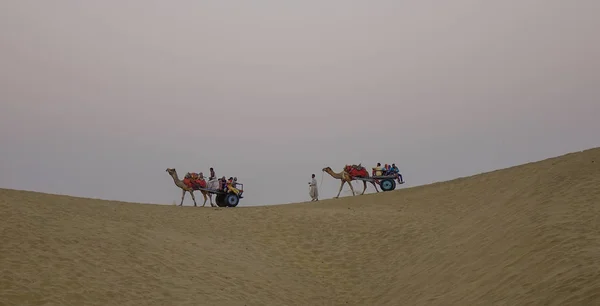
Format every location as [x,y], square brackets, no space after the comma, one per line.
[346,178]
[185,188]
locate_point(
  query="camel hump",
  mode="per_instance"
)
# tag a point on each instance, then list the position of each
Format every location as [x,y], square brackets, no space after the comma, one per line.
[358,167]
[357,171]
[194,182]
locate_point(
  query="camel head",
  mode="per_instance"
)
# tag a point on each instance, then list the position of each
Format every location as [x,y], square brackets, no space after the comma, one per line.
[171,170]
[326,169]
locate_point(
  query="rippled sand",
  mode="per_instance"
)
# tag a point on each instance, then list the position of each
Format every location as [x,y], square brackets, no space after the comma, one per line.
[528,235]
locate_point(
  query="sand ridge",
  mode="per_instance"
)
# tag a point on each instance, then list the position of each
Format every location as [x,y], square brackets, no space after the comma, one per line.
[525,235]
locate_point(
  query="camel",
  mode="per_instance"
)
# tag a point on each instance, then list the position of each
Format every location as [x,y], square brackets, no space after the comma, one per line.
[346,178]
[179,183]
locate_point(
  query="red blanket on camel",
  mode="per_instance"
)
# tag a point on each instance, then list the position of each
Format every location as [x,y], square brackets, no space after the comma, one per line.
[193,181]
[356,171]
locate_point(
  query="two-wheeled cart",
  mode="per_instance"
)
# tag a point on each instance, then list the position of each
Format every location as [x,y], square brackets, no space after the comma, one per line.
[227,198]
[385,182]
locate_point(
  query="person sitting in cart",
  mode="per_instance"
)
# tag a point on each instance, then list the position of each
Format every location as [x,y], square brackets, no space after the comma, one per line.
[223,184]
[386,169]
[377,171]
[396,171]
[231,186]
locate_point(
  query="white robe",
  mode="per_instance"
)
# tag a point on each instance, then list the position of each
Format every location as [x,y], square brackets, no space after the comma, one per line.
[213,184]
[313,190]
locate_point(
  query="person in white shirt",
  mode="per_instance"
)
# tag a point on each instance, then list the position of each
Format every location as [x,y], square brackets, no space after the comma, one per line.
[313,189]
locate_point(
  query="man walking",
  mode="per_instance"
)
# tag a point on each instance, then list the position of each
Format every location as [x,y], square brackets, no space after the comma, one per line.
[313,191]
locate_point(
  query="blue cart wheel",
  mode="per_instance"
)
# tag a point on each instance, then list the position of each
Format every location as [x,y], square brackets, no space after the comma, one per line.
[387,185]
[232,200]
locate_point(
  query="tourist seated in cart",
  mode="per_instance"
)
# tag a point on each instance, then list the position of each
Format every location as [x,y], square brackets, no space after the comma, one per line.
[223,184]
[377,171]
[229,185]
[385,170]
[232,186]
[395,171]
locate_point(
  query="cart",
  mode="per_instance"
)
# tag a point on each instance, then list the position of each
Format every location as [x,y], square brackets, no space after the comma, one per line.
[385,182]
[227,198]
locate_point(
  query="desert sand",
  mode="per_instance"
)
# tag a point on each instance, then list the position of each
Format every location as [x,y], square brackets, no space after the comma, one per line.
[526,235]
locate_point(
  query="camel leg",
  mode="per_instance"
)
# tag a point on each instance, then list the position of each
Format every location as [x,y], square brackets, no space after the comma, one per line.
[351,188]
[365,187]
[374,185]
[341,186]
[204,195]
[182,196]
[193,198]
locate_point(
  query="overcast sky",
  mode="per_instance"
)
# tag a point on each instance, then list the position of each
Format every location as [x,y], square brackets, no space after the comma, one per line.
[98,98]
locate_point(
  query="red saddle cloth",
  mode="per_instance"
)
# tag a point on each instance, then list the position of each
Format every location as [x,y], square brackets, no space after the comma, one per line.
[356,171]
[194,183]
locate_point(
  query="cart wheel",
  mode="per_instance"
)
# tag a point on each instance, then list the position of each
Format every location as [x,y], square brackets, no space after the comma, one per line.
[232,200]
[387,185]
[220,200]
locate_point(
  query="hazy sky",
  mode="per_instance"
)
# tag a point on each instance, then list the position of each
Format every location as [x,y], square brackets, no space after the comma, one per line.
[98,98]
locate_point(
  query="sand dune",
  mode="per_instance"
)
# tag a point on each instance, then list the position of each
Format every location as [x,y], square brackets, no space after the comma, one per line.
[519,236]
